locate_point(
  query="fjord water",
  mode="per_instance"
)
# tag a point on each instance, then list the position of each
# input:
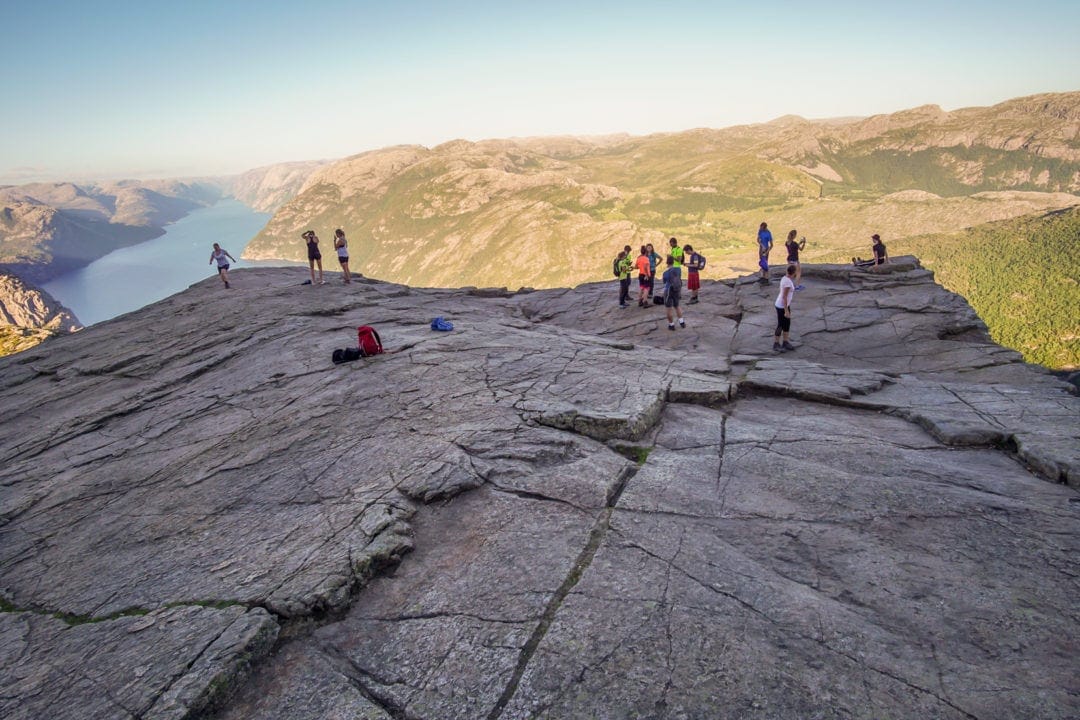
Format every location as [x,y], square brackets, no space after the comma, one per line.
[129,278]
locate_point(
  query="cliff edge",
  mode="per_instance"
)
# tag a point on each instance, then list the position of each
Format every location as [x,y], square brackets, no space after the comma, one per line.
[559,509]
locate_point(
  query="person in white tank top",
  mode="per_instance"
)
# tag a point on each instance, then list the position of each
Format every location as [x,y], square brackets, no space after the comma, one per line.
[219,254]
[342,247]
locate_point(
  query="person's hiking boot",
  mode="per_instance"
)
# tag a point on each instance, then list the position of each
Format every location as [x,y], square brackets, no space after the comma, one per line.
[671,326]
[693,301]
[763,281]
[226,284]
[682,323]
[799,287]
[777,347]
[787,346]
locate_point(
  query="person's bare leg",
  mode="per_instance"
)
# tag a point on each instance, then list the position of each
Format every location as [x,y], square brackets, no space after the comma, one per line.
[311,264]
[345,269]
[320,272]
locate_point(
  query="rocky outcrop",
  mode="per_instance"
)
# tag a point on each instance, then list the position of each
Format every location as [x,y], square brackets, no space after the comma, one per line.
[29,315]
[559,509]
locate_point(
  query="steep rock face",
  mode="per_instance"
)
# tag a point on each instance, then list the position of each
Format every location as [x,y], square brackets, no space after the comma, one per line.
[31,307]
[586,514]
[267,188]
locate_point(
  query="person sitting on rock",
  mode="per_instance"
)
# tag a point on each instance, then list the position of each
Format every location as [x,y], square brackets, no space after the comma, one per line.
[881,255]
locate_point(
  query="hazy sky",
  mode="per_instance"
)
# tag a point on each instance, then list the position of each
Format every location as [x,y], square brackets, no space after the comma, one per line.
[105,89]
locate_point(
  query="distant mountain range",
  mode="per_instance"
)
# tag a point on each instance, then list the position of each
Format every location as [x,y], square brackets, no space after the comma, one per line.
[552,211]
[547,212]
[48,229]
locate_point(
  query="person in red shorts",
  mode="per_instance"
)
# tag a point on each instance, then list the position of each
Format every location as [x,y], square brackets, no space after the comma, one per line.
[694,263]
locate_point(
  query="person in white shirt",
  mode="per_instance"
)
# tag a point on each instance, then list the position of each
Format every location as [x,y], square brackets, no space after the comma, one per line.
[783,311]
[342,247]
[219,254]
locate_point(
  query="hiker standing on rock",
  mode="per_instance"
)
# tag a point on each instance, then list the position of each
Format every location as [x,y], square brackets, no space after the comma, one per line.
[645,277]
[793,249]
[313,255]
[672,290]
[624,265]
[342,247]
[694,263]
[783,311]
[764,238]
[676,253]
[654,260]
[220,254]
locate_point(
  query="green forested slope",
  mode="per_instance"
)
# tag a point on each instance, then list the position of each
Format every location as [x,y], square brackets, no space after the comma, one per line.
[1023,278]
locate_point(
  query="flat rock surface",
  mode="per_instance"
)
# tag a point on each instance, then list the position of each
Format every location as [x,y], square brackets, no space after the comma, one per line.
[559,509]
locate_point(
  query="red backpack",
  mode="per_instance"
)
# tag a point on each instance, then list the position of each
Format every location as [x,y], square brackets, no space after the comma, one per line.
[370,344]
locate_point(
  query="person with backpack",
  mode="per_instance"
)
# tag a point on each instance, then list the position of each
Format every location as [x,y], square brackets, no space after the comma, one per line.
[672,291]
[793,249]
[313,255]
[645,276]
[694,263]
[219,255]
[342,247]
[623,266]
[764,238]
[783,311]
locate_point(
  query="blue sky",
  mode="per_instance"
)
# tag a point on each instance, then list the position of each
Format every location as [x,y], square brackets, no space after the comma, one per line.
[154,89]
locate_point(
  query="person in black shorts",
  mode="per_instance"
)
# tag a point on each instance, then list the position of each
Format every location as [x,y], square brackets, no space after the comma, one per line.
[672,290]
[219,254]
[793,249]
[313,255]
[881,255]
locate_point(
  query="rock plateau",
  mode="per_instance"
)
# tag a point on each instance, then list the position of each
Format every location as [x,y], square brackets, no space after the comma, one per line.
[560,509]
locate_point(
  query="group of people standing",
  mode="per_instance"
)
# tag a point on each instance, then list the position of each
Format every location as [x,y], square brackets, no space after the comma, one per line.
[671,289]
[341,245]
[648,261]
